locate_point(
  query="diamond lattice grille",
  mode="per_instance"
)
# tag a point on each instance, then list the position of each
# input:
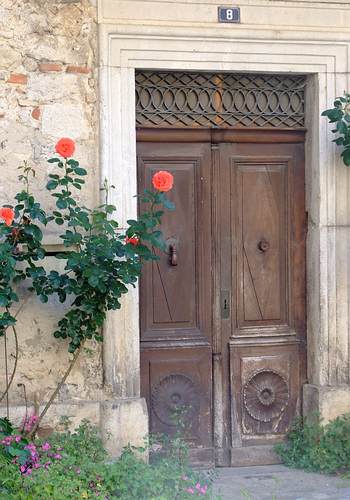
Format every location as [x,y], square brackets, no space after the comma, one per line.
[214,100]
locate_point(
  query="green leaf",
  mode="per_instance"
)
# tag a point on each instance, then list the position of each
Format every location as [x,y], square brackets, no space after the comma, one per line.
[333,115]
[61,203]
[346,156]
[80,171]
[168,204]
[51,185]
[342,127]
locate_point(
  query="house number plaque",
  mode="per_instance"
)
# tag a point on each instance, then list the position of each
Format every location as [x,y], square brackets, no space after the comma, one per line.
[229,15]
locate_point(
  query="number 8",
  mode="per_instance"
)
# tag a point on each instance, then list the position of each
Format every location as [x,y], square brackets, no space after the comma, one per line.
[229,14]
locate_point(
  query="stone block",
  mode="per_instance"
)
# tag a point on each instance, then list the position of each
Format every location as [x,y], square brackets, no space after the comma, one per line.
[8,57]
[123,422]
[328,402]
[53,86]
[65,120]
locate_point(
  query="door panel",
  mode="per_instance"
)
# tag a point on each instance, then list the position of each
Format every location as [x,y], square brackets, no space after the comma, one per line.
[261,195]
[235,301]
[263,342]
[176,299]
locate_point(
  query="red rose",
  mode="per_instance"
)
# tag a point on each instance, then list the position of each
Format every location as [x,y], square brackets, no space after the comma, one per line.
[65,147]
[163,180]
[133,240]
[7,214]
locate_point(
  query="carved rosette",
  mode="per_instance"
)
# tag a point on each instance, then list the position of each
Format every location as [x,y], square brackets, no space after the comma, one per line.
[266,395]
[172,394]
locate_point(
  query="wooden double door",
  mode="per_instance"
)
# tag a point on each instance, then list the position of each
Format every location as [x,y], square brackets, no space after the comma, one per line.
[223,310]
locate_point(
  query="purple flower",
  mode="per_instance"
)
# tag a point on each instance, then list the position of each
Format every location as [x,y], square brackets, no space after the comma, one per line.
[46,446]
[57,456]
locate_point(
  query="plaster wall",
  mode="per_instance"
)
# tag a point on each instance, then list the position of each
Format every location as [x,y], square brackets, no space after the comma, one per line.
[48,89]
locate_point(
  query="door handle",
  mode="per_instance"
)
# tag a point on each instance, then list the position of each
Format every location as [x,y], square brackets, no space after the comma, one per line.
[172,255]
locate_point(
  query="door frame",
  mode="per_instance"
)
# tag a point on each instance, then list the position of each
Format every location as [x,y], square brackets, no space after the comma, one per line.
[121,52]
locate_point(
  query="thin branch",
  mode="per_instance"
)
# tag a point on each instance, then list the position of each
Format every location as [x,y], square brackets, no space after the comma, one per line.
[9,383]
[56,391]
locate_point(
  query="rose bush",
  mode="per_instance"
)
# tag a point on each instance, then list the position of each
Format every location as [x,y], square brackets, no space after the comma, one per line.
[101,261]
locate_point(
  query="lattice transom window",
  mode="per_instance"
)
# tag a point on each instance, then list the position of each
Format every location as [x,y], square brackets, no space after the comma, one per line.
[213,100]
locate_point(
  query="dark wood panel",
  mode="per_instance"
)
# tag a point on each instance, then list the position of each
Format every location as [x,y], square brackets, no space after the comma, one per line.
[176,312]
[175,299]
[215,136]
[261,197]
[265,391]
[262,264]
[177,386]
[237,295]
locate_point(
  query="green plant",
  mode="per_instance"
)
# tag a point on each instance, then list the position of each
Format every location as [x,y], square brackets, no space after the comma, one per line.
[14,445]
[101,261]
[83,472]
[340,116]
[316,447]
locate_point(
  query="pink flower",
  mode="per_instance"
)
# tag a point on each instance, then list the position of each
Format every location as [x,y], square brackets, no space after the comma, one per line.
[57,456]
[18,438]
[203,490]
[29,423]
[190,490]
[46,446]
[22,468]
[198,486]
[37,466]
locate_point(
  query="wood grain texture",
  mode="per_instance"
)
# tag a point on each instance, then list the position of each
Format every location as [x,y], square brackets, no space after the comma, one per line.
[239,229]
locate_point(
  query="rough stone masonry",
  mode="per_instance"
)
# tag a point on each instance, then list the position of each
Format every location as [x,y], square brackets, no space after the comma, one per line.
[48,90]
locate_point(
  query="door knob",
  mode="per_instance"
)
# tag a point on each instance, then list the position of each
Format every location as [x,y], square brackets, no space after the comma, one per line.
[263,245]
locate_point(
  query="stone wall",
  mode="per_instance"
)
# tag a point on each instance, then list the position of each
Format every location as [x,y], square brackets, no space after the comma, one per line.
[48,90]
